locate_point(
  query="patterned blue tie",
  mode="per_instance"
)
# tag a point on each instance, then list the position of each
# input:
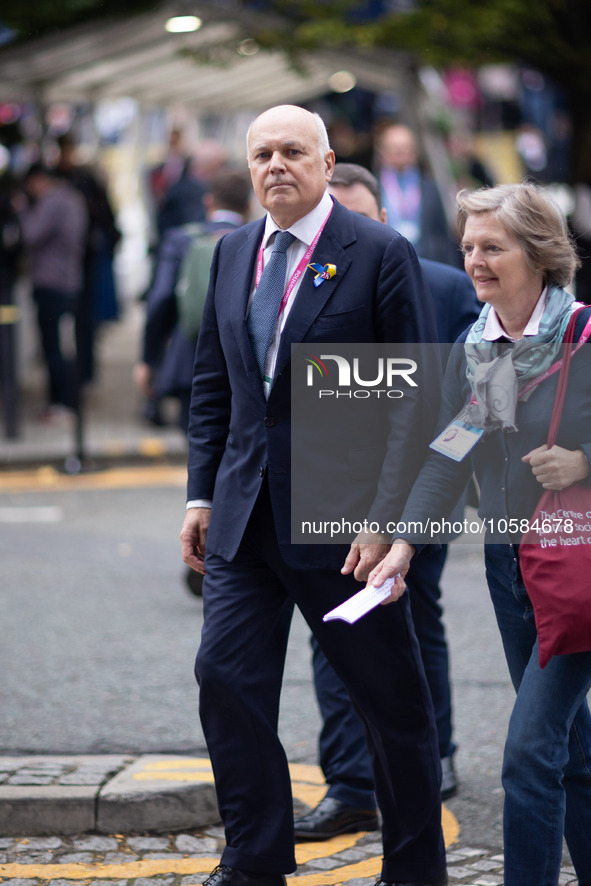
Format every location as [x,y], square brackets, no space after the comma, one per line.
[264,310]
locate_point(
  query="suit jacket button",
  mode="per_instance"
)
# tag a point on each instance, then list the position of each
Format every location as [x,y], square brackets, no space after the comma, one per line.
[261,471]
[269,421]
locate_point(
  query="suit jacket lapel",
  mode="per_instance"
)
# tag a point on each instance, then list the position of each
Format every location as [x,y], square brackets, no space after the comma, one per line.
[242,279]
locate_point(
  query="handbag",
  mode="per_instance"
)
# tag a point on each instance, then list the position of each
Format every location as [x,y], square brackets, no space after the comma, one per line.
[555,552]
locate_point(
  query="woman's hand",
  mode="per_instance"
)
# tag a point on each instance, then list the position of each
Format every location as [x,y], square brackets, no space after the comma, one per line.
[557,468]
[395,564]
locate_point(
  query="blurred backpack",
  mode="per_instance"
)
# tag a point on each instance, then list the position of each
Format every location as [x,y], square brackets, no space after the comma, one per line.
[193,280]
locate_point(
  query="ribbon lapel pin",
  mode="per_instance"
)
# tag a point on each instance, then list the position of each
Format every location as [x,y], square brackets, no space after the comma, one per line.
[322,272]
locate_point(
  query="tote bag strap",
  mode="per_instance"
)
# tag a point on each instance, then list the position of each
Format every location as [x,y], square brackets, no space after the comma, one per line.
[562,378]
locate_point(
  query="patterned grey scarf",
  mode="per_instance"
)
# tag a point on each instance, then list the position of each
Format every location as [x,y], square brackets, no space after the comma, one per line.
[498,370]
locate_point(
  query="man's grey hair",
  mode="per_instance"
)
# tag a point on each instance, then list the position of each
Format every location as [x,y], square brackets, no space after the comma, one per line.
[323,140]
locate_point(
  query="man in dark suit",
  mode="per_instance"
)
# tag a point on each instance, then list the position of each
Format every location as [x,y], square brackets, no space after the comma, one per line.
[411,196]
[349,804]
[237,527]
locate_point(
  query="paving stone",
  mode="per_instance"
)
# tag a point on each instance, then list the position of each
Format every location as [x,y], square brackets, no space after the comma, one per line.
[218,833]
[146,844]
[470,852]
[455,856]
[373,848]
[46,765]
[76,858]
[61,882]
[6,842]
[21,882]
[351,855]
[195,845]
[36,858]
[83,778]
[30,844]
[162,856]
[485,864]
[323,864]
[23,779]
[461,871]
[96,844]
[153,881]
[120,858]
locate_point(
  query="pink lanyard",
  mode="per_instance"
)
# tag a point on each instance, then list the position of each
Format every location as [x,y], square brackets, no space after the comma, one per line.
[534,382]
[298,271]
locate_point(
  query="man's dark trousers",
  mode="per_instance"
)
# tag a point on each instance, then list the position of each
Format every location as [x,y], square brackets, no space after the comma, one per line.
[344,759]
[239,666]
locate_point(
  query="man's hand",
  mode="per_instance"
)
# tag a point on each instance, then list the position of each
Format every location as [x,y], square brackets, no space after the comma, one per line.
[193,536]
[365,553]
[394,565]
[557,468]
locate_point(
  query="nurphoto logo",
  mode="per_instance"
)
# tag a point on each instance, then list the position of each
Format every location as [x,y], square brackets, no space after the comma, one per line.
[349,380]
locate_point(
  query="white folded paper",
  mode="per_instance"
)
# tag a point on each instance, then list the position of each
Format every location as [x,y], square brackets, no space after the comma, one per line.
[361,603]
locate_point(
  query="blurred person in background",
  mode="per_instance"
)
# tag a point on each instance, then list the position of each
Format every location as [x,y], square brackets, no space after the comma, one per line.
[10,247]
[410,195]
[468,170]
[98,301]
[172,321]
[183,200]
[54,223]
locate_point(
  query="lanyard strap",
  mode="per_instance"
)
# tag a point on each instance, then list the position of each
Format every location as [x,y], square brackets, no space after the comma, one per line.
[303,264]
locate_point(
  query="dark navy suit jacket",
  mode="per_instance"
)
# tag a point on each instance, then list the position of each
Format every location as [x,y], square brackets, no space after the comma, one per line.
[236,436]
[454,296]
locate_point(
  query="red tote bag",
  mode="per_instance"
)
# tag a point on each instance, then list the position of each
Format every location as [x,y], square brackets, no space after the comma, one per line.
[555,553]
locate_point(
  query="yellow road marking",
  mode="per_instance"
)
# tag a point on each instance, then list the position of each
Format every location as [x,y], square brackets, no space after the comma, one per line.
[305,852]
[368,868]
[146,868]
[201,764]
[48,479]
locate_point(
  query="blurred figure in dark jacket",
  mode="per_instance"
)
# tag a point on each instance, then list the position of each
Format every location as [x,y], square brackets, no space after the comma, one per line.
[166,369]
[10,245]
[54,223]
[98,300]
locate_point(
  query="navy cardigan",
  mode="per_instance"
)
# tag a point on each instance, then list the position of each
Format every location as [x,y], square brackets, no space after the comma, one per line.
[508,488]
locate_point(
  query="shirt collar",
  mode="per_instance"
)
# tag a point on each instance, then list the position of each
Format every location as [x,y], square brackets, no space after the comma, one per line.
[226,215]
[306,228]
[493,328]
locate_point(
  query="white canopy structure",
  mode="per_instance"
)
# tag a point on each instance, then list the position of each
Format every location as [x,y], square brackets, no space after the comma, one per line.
[136,57]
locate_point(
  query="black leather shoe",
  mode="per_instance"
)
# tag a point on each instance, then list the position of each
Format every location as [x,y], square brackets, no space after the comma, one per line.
[332,817]
[226,876]
[449,781]
[440,881]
